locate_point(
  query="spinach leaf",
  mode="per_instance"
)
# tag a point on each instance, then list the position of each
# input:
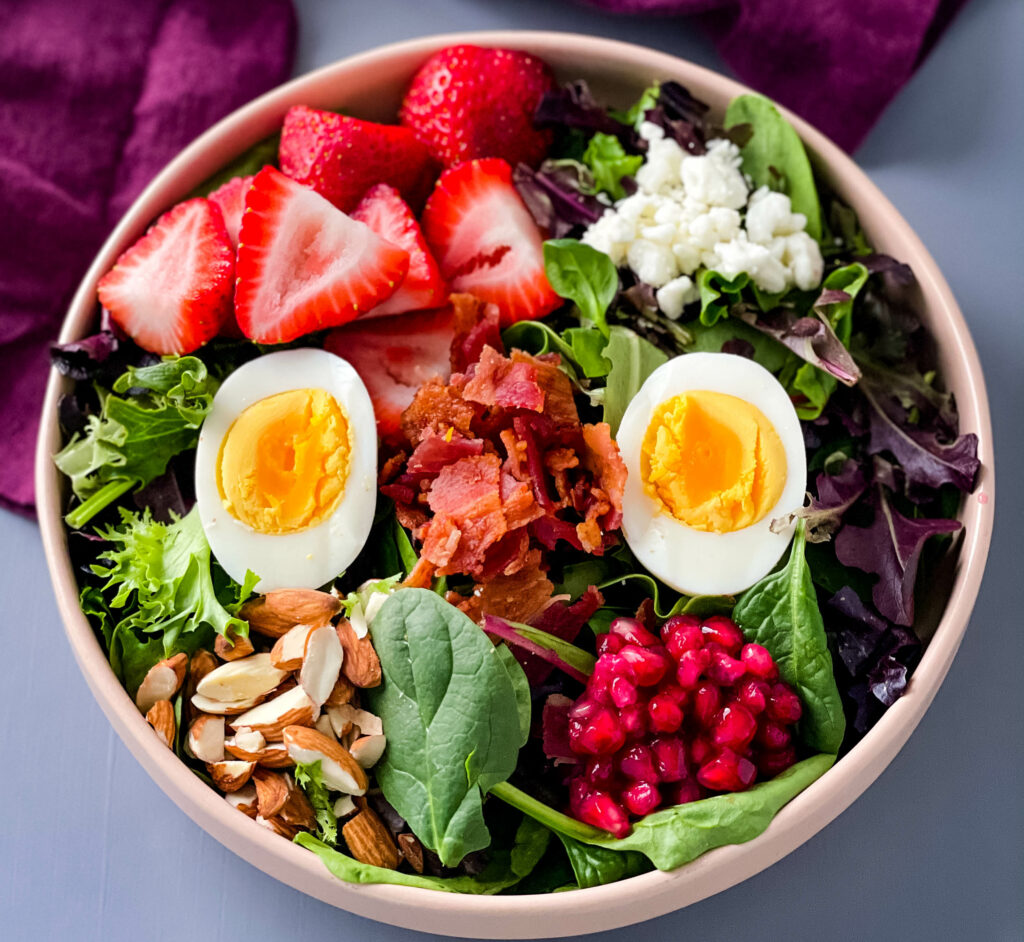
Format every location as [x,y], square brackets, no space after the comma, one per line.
[587,345]
[152,414]
[309,779]
[452,716]
[596,866]
[521,686]
[609,163]
[775,156]
[839,292]
[674,836]
[584,276]
[531,843]
[633,359]
[781,613]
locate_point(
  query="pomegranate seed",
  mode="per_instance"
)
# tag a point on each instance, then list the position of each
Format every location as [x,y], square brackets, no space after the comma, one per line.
[674,692]
[784,704]
[727,772]
[607,668]
[686,792]
[759,662]
[753,694]
[700,750]
[647,665]
[707,698]
[599,770]
[682,633]
[583,709]
[600,735]
[637,763]
[770,764]
[669,758]
[608,643]
[623,693]
[665,714]
[723,669]
[632,632]
[579,791]
[602,811]
[723,631]
[734,727]
[633,719]
[772,736]
[641,798]
[691,665]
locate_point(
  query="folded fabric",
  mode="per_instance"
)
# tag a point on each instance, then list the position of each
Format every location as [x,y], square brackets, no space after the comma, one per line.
[837,63]
[95,97]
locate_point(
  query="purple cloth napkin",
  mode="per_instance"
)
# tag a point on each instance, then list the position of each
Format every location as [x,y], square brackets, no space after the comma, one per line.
[95,97]
[837,63]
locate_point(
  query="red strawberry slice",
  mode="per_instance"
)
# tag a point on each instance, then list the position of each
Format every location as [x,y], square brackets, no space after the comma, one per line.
[394,357]
[467,102]
[230,197]
[387,214]
[304,265]
[486,241]
[342,157]
[171,290]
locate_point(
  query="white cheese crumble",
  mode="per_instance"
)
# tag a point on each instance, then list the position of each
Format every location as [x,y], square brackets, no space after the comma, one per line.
[687,214]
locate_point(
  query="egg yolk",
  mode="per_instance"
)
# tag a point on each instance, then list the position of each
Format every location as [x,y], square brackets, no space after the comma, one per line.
[713,461]
[283,463]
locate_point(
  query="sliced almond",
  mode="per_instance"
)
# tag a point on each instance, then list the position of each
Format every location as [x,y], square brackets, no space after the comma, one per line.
[233,648]
[201,663]
[162,681]
[323,725]
[206,738]
[341,717]
[230,775]
[337,767]
[278,826]
[279,611]
[321,664]
[245,679]
[412,850]
[344,806]
[291,708]
[222,707]
[342,693]
[244,800]
[273,755]
[367,750]
[297,811]
[161,718]
[271,791]
[289,649]
[369,841]
[361,665]
[250,740]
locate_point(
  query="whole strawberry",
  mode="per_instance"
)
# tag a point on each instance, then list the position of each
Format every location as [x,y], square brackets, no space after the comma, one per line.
[467,102]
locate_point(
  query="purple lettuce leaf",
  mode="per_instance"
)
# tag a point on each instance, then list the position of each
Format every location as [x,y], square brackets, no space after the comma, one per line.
[810,338]
[547,647]
[572,105]
[84,359]
[563,620]
[861,630]
[555,728]
[880,264]
[685,134]
[903,389]
[837,493]
[927,461]
[559,196]
[890,548]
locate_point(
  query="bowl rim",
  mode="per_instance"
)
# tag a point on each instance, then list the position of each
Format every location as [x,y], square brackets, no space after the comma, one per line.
[542,915]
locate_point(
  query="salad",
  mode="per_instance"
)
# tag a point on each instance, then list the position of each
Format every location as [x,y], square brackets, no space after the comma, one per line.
[516,498]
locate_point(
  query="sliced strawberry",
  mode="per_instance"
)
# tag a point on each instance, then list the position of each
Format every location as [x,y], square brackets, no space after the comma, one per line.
[342,157]
[387,214]
[394,357]
[304,265]
[171,290]
[230,197]
[467,102]
[486,241]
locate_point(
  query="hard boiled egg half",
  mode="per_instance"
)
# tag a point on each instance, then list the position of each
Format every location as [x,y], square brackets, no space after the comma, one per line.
[714,453]
[286,469]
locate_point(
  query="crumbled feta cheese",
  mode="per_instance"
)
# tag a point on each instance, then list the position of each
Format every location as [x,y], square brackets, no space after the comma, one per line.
[652,263]
[714,178]
[675,295]
[741,255]
[659,172]
[650,131]
[769,214]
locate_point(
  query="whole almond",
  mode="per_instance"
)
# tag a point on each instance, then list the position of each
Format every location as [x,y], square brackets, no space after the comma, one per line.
[233,648]
[162,681]
[361,665]
[279,611]
[229,775]
[412,850]
[369,841]
[161,718]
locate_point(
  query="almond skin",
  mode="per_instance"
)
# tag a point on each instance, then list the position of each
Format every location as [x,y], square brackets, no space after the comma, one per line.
[271,791]
[369,841]
[291,708]
[231,774]
[289,650]
[272,756]
[233,648]
[361,665]
[161,718]
[277,612]
[412,850]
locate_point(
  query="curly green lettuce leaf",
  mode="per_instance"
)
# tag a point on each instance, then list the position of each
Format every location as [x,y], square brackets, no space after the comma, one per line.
[609,163]
[310,779]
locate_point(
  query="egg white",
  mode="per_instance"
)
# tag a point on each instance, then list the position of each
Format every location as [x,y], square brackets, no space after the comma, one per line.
[696,562]
[307,558]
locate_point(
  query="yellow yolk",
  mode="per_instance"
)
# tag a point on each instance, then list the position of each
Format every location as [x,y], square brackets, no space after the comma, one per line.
[283,463]
[713,461]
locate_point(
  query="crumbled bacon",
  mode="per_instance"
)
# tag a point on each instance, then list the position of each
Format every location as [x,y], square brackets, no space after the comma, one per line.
[476,325]
[517,597]
[506,384]
[437,407]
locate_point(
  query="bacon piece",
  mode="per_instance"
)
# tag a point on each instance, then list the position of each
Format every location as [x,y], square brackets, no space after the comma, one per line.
[507,556]
[559,404]
[422,575]
[549,529]
[517,597]
[435,452]
[476,325]
[589,533]
[437,407]
[517,502]
[498,381]
[601,458]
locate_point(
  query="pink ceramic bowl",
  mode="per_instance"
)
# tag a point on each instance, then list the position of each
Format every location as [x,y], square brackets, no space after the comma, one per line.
[370,86]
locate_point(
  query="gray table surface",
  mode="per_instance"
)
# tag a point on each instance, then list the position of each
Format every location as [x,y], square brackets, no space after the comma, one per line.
[91,849]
